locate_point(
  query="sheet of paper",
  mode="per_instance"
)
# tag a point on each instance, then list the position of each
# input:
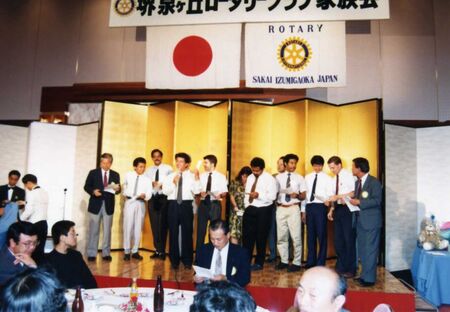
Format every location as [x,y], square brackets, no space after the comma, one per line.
[110,188]
[352,208]
[203,272]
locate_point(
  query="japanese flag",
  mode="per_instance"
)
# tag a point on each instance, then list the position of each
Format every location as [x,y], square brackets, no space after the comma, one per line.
[193,57]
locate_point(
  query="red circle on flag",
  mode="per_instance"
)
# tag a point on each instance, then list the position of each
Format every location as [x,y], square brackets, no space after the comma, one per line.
[192,56]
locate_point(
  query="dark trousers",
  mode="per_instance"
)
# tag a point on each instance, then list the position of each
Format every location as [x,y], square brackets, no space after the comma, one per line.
[206,212]
[344,240]
[180,214]
[273,235]
[256,225]
[157,211]
[368,247]
[316,223]
[41,229]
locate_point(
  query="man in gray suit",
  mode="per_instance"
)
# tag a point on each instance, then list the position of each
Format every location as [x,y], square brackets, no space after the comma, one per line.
[368,196]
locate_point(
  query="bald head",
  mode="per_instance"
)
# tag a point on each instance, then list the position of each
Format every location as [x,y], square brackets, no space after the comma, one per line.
[322,290]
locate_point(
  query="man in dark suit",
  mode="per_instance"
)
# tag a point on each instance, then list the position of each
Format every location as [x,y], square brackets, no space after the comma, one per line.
[15,255]
[102,184]
[11,192]
[226,261]
[368,196]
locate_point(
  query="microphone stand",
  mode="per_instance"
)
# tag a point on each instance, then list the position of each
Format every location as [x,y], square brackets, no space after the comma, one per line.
[64,204]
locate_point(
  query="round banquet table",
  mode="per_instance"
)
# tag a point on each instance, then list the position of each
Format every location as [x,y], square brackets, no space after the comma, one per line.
[111,299]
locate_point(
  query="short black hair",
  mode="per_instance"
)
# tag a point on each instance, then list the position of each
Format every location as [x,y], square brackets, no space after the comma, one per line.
[362,164]
[139,160]
[288,157]
[29,178]
[14,173]
[61,228]
[335,160]
[21,227]
[186,157]
[258,162]
[107,156]
[37,290]
[222,296]
[156,150]
[317,160]
[244,170]
[212,159]
[219,224]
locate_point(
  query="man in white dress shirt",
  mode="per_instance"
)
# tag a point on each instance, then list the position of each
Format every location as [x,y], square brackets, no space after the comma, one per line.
[292,190]
[137,189]
[260,193]
[214,188]
[318,185]
[343,185]
[157,205]
[181,187]
[35,211]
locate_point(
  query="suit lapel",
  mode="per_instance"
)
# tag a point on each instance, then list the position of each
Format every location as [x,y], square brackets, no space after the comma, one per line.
[229,260]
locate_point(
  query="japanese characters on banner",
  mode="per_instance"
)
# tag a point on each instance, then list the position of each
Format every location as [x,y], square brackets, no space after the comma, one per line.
[178,12]
[295,55]
[193,57]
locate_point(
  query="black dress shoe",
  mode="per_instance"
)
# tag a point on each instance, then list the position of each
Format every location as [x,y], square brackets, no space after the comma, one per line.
[175,266]
[256,267]
[155,255]
[92,258]
[107,258]
[137,256]
[363,283]
[281,266]
[309,266]
[294,268]
[188,266]
[271,260]
[127,257]
[162,256]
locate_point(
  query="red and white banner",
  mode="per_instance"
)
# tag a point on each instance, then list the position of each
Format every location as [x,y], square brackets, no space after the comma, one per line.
[295,55]
[193,57]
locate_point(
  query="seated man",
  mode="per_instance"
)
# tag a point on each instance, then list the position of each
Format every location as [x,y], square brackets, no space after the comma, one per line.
[15,255]
[325,286]
[34,290]
[67,262]
[226,261]
[222,296]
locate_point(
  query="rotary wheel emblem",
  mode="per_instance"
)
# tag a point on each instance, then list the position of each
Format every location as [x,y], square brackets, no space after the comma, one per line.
[294,54]
[124,7]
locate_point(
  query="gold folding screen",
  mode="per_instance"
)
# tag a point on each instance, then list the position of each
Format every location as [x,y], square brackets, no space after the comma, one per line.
[304,127]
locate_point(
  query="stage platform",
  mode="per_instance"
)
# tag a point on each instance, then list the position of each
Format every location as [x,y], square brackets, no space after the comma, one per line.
[271,289]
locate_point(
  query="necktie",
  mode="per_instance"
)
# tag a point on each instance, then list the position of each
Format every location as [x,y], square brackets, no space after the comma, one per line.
[311,199]
[288,185]
[358,188]
[337,184]
[180,190]
[105,180]
[250,200]
[208,188]
[157,175]
[218,269]
[136,186]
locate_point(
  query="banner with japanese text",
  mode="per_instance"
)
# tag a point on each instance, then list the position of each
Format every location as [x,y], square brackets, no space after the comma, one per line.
[295,55]
[184,12]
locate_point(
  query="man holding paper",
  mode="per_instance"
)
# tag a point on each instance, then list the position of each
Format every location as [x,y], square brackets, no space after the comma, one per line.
[292,190]
[343,186]
[318,186]
[220,259]
[137,189]
[214,188]
[368,196]
[101,184]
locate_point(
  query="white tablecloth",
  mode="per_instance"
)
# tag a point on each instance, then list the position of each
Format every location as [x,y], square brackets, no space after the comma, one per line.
[110,299]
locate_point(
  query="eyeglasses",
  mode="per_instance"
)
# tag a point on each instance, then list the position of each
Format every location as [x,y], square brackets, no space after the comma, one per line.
[30,244]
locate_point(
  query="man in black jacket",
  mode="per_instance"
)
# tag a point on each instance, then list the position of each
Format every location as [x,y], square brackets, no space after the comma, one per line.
[226,261]
[11,192]
[102,184]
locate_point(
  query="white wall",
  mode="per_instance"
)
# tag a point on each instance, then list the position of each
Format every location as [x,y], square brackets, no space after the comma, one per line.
[401,196]
[14,142]
[404,60]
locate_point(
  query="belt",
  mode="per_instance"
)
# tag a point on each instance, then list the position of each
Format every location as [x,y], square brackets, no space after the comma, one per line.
[287,206]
